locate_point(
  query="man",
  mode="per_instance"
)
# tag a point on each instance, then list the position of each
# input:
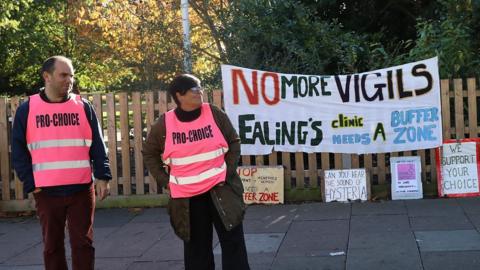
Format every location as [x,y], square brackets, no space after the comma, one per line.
[56,141]
[195,150]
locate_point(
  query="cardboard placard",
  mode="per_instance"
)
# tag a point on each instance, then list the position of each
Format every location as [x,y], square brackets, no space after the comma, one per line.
[406,178]
[262,184]
[458,168]
[346,185]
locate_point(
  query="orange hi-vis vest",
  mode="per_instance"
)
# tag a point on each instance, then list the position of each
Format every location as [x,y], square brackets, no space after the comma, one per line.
[59,139]
[195,152]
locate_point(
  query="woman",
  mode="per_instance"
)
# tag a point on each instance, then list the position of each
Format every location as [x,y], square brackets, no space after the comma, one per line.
[195,150]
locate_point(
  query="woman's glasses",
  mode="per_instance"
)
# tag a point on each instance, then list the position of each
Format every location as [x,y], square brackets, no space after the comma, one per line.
[196,89]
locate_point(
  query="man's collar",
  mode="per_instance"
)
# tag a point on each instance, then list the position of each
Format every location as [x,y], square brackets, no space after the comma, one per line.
[44,97]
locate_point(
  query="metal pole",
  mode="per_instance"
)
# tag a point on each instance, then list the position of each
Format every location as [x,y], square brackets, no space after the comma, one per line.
[187,50]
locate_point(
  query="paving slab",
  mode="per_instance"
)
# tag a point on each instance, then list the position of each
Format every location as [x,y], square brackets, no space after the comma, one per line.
[258,261]
[315,238]
[168,248]
[309,263]
[31,256]
[383,250]
[21,267]
[112,217]
[259,243]
[261,260]
[475,219]
[379,208]
[434,207]
[324,211]
[6,225]
[383,240]
[112,264]
[170,265]
[270,213]
[471,205]
[278,225]
[21,238]
[430,223]
[15,249]
[22,231]
[132,240]
[151,215]
[462,240]
[102,233]
[379,223]
[383,258]
[465,260]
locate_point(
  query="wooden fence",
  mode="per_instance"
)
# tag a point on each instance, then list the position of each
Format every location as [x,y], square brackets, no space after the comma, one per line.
[126,118]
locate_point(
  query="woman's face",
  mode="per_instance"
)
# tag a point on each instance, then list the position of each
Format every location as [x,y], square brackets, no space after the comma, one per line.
[192,99]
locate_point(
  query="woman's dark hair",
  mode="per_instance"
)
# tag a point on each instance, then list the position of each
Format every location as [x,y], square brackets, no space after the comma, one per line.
[181,84]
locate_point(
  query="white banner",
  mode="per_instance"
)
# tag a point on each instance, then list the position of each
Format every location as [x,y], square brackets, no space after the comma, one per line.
[388,110]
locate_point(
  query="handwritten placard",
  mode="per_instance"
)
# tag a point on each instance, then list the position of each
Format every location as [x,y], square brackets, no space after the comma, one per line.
[406,178]
[346,185]
[458,168]
[262,184]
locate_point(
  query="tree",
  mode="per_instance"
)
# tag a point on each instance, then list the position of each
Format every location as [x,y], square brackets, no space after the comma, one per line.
[31,31]
[132,44]
[286,36]
[137,44]
[453,36]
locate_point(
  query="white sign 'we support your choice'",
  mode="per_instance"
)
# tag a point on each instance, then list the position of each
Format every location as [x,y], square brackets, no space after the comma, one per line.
[458,168]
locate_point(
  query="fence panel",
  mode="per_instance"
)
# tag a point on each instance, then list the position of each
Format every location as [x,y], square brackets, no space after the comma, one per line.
[18,185]
[472,95]
[112,142]
[445,95]
[137,142]
[459,122]
[312,170]
[126,117]
[150,117]
[5,167]
[125,144]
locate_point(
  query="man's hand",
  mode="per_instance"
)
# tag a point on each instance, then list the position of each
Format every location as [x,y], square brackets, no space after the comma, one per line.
[103,189]
[37,190]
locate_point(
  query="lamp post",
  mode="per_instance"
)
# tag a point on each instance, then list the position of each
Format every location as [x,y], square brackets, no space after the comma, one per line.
[187,49]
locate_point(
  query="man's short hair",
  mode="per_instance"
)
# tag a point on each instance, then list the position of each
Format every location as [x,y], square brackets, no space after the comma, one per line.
[49,64]
[180,84]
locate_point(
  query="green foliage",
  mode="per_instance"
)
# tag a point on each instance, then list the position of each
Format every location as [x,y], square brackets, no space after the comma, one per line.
[325,37]
[122,45]
[38,34]
[452,37]
[7,11]
[285,36]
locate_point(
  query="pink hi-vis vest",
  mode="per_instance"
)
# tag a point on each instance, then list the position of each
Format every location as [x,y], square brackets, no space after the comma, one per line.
[59,139]
[195,152]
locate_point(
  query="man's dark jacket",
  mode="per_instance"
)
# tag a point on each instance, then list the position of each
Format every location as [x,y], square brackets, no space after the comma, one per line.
[22,160]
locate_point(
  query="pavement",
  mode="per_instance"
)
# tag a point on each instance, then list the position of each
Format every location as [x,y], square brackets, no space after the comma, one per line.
[433,234]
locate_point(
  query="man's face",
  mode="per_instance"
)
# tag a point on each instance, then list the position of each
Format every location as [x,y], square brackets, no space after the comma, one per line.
[60,81]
